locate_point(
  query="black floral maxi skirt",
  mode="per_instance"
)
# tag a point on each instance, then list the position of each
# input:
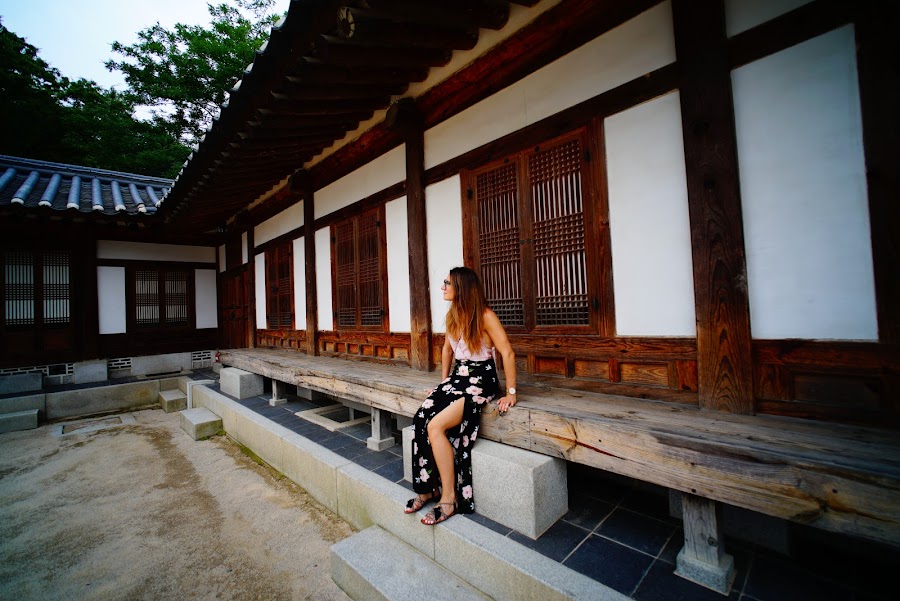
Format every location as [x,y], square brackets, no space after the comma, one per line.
[476,383]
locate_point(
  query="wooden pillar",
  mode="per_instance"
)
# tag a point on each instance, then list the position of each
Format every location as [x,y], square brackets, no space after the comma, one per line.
[302,183]
[703,559]
[382,431]
[404,116]
[724,369]
[251,291]
[879,83]
[88,305]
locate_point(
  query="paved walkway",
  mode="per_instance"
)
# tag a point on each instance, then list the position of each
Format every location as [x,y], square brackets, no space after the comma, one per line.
[130,507]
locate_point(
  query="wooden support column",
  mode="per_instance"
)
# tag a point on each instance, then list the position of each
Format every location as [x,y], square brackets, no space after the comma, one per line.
[879,82]
[251,290]
[87,303]
[703,559]
[724,370]
[404,116]
[279,390]
[382,430]
[303,183]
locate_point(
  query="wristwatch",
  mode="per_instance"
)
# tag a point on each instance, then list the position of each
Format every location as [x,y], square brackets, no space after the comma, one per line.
[511,391]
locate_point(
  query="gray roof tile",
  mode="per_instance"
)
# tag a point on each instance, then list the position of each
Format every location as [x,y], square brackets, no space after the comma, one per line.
[31,184]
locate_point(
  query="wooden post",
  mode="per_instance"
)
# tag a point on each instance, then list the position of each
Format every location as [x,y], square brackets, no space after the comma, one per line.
[278,393]
[703,559]
[404,116]
[724,370]
[87,300]
[251,291]
[304,183]
[879,83]
[382,431]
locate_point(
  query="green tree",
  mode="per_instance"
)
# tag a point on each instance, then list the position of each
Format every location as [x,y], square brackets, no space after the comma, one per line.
[185,72]
[45,116]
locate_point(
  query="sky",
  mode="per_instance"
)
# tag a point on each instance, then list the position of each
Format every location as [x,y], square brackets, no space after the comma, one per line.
[75,36]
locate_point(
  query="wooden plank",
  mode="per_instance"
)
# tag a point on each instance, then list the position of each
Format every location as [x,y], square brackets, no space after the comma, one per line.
[840,478]
[720,271]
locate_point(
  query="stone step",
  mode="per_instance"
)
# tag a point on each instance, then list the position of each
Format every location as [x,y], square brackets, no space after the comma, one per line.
[172,400]
[374,564]
[19,420]
[200,423]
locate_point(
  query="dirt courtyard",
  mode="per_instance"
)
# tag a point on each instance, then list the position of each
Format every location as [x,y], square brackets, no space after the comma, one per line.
[139,510]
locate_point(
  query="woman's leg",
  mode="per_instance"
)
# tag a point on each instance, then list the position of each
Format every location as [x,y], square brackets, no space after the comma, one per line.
[442,450]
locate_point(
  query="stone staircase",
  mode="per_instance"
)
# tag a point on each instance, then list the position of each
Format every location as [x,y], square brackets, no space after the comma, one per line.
[21,412]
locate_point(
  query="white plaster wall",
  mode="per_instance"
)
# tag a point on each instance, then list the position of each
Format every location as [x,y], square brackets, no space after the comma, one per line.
[222,261]
[286,221]
[629,51]
[397,232]
[111,299]
[205,298]
[385,171]
[323,279]
[244,249]
[649,221]
[142,251]
[803,192]
[299,284]
[259,265]
[443,207]
[741,15]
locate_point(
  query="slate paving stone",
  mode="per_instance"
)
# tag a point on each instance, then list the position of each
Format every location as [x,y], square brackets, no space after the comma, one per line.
[586,512]
[662,584]
[610,563]
[373,459]
[556,543]
[637,531]
[775,579]
[391,470]
[488,523]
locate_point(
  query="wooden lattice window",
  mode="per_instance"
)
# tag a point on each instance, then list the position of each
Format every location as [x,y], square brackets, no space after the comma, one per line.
[527,225]
[162,297]
[360,272]
[37,289]
[280,287]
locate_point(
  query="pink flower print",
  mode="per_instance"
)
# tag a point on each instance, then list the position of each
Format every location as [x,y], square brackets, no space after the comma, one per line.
[464,370]
[467,492]
[479,400]
[473,390]
[455,443]
[447,387]
[422,462]
[474,380]
[465,441]
[474,434]
[427,404]
[423,475]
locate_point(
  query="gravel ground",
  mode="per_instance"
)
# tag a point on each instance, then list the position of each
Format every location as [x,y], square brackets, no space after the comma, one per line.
[138,510]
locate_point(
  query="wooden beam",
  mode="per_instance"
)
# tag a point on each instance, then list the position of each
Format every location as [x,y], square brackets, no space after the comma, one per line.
[251,289]
[373,28]
[406,119]
[337,52]
[879,79]
[304,185]
[724,364]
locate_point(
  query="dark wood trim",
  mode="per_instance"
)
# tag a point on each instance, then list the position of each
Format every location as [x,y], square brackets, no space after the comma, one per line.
[794,27]
[594,347]
[377,199]
[406,119]
[724,363]
[251,289]
[646,87]
[304,186]
[86,302]
[378,347]
[878,47]
[597,228]
[137,344]
[166,264]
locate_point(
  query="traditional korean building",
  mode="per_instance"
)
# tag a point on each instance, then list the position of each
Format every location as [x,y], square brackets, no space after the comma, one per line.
[684,213]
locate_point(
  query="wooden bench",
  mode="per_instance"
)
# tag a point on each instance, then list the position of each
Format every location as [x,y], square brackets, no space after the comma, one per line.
[840,478]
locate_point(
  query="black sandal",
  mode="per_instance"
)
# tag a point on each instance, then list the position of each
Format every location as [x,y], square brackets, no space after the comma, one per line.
[418,502]
[437,515]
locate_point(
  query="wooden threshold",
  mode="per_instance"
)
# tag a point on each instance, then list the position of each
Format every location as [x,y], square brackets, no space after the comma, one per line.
[833,476]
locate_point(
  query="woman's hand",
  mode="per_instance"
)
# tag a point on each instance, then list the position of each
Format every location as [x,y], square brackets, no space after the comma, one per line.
[505,403]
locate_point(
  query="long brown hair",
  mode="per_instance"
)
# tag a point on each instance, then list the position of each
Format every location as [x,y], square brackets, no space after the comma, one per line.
[465,318]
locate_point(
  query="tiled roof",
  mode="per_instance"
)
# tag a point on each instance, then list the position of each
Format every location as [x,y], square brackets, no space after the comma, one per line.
[29,184]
